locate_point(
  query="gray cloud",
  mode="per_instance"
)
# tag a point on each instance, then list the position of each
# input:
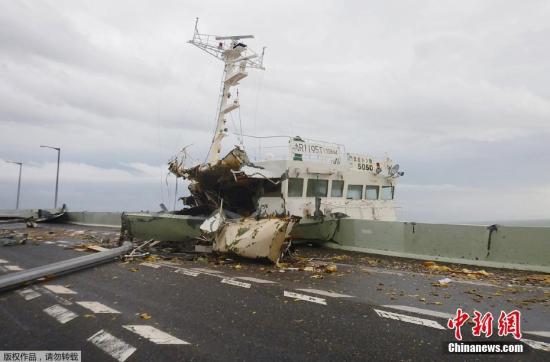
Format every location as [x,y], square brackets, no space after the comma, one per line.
[457,92]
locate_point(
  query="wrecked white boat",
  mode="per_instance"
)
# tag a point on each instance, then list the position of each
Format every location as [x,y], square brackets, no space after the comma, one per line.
[251,209]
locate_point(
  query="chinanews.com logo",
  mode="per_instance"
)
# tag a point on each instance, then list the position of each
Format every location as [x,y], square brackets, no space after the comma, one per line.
[508,324]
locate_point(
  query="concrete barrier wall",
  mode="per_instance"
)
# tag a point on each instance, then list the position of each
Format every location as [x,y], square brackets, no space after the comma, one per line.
[107,219]
[524,245]
[524,248]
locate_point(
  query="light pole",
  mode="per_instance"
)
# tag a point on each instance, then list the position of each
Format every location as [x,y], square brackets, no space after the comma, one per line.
[18,182]
[57,177]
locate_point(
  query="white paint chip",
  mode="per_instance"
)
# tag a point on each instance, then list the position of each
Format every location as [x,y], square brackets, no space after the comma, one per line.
[431,313]
[154,335]
[97,307]
[186,272]
[236,283]
[543,346]
[62,315]
[307,298]
[13,267]
[29,293]
[256,280]
[151,265]
[116,348]
[409,319]
[59,289]
[326,293]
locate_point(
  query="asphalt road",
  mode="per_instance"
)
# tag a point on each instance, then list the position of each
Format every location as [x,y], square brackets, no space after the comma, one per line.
[202,311]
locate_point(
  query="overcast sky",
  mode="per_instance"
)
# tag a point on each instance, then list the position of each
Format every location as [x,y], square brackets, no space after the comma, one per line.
[457,92]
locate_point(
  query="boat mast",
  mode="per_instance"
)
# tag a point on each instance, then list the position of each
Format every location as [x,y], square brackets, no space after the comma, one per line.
[236,57]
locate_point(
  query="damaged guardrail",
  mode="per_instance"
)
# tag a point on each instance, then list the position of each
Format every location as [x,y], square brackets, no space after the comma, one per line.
[30,276]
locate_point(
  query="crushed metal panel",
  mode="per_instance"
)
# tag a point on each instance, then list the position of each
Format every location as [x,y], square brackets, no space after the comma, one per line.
[253,238]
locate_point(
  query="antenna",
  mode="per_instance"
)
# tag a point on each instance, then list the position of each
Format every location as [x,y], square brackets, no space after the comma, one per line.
[237,56]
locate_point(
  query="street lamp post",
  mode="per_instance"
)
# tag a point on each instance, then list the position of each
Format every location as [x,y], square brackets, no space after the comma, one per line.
[18,182]
[57,177]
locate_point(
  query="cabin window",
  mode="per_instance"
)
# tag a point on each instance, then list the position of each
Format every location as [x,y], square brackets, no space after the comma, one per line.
[387,192]
[295,187]
[271,189]
[371,192]
[317,188]
[355,192]
[337,189]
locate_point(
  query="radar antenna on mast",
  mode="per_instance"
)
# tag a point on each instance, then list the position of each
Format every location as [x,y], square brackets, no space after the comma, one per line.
[237,57]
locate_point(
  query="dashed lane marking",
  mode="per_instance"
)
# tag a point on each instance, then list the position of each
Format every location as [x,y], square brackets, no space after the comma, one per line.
[236,283]
[13,267]
[59,289]
[97,307]
[539,333]
[2,261]
[205,270]
[55,296]
[116,348]
[307,298]
[409,319]
[28,293]
[326,293]
[536,344]
[49,242]
[256,280]
[186,272]
[151,265]
[63,315]
[431,313]
[154,335]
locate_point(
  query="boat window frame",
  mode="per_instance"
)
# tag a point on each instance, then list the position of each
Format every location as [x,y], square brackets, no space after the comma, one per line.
[392,188]
[301,189]
[348,190]
[341,188]
[316,180]
[372,187]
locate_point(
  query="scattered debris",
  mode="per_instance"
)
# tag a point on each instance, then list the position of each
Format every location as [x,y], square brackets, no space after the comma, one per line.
[144,316]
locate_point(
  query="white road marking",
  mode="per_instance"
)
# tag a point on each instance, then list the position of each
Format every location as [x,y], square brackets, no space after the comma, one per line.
[409,319]
[186,272]
[326,293]
[28,293]
[256,280]
[63,241]
[59,289]
[13,267]
[55,296]
[154,335]
[49,242]
[2,261]
[151,265]
[236,283]
[431,313]
[543,346]
[97,307]
[539,333]
[307,298]
[205,270]
[62,315]
[117,348]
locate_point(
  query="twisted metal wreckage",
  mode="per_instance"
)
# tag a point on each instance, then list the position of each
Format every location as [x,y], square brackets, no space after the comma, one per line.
[229,191]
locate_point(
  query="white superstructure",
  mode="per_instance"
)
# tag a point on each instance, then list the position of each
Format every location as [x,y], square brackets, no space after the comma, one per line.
[352,184]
